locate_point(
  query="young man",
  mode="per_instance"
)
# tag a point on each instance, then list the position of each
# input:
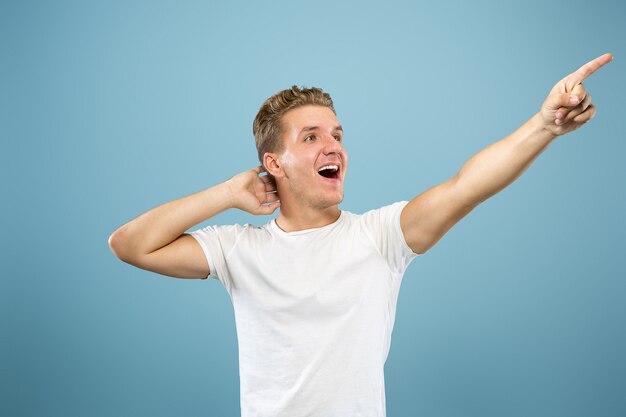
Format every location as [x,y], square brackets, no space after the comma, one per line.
[314,290]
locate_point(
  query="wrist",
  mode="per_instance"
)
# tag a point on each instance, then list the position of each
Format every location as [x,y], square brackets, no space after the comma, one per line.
[228,194]
[541,128]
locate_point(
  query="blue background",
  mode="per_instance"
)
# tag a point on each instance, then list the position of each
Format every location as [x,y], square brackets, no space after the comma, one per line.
[111,108]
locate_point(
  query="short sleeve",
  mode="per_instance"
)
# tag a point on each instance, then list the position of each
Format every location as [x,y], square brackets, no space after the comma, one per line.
[216,243]
[383,228]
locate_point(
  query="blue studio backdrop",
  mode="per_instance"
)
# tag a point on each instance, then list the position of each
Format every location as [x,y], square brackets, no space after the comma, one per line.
[108,109]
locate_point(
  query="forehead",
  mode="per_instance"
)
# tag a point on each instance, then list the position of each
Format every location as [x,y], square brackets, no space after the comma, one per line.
[304,116]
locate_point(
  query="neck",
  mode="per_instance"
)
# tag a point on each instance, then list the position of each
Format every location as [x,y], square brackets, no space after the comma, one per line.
[293,219]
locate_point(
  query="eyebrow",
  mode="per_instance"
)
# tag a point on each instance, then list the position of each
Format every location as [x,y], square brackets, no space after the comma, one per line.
[312,128]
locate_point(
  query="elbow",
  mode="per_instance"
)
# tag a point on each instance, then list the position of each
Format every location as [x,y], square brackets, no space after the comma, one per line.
[118,243]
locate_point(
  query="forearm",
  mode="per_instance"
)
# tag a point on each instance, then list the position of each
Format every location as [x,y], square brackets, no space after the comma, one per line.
[163,224]
[498,165]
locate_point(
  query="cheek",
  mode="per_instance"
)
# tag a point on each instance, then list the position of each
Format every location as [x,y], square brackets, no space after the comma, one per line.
[290,164]
[290,160]
[287,162]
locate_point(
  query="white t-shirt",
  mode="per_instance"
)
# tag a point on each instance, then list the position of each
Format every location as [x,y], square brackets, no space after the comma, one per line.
[314,311]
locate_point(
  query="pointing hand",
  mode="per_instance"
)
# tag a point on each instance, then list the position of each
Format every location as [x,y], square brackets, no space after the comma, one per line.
[568,106]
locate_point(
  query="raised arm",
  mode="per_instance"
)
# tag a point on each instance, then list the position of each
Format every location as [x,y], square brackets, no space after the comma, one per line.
[430,215]
[156,240]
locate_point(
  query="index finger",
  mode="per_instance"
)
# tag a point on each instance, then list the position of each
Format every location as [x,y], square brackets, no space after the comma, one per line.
[586,70]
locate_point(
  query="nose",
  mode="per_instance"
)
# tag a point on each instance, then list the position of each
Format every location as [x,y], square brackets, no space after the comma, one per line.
[332,145]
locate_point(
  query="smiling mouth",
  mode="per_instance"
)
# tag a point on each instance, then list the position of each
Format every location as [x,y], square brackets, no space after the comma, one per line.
[329,171]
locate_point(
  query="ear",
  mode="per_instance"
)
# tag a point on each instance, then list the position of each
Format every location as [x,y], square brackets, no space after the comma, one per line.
[272,164]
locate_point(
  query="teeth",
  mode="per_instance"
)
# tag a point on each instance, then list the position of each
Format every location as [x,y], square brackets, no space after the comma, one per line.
[335,167]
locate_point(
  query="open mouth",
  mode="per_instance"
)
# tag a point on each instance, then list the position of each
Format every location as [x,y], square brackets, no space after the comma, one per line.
[329,171]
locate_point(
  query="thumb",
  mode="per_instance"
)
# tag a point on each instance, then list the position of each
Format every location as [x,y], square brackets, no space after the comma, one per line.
[268,208]
[558,100]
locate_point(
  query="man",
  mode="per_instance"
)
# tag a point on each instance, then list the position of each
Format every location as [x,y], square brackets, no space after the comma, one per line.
[315,290]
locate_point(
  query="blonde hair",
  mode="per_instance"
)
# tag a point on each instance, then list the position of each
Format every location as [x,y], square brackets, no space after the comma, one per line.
[267,123]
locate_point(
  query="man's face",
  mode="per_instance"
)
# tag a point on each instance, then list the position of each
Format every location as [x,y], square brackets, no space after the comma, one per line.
[313,161]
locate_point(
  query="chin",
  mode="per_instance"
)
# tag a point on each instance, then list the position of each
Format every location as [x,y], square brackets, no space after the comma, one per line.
[331,202]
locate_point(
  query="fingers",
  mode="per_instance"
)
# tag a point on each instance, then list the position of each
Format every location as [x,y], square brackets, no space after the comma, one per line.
[585,71]
[268,182]
[563,100]
[270,199]
[271,195]
[586,115]
[270,187]
[268,208]
[566,116]
[267,179]
[568,106]
[577,118]
[572,104]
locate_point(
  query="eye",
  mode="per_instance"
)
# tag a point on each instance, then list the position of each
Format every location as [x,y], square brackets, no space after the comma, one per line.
[338,138]
[309,138]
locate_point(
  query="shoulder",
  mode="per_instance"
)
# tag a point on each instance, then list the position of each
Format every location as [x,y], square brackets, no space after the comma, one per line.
[383,220]
[230,232]
[388,212]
